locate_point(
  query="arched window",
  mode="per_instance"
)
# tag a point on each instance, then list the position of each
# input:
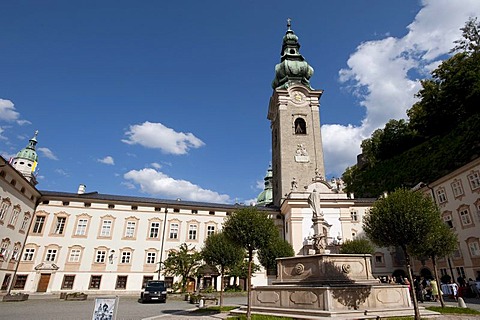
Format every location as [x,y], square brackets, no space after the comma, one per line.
[300,126]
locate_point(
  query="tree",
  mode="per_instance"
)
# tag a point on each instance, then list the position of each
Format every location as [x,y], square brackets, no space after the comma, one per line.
[402,219]
[278,248]
[471,37]
[441,242]
[183,263]
[223,253]
[357,246]
[252,230]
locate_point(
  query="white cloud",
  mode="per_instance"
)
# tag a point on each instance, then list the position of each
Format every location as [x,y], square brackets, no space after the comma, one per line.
[48,153]
[157,183]
[107,160]
[156,165]
[7,111]
[157,136]
[378,75]
[62,172]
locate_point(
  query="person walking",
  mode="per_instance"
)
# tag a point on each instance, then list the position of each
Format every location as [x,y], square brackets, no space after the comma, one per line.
[434,287]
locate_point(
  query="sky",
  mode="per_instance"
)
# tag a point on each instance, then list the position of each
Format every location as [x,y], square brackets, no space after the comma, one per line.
[169,99]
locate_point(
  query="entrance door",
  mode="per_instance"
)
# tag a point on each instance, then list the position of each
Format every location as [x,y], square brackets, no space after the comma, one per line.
[43,283]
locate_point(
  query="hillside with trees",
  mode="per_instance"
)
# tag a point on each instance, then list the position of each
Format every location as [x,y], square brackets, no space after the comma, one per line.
[442,131]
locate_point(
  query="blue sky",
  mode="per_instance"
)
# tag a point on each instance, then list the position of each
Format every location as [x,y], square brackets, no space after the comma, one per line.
[169,99]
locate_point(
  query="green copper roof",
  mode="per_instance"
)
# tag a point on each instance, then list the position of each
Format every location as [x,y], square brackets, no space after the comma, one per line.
[293,68]
[265,198]
[29,152]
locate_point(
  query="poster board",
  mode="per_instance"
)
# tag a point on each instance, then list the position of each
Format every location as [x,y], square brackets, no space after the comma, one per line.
[105,308]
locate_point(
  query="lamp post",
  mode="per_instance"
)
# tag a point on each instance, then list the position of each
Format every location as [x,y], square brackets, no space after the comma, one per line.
[162,244]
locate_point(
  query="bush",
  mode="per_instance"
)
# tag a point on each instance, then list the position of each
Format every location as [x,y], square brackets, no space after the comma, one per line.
[233,288]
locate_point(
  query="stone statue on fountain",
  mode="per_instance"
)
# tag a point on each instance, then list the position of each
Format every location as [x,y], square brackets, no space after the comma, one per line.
[319,237]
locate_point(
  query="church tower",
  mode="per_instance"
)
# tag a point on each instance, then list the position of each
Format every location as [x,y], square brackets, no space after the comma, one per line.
[297,154]
[26,160]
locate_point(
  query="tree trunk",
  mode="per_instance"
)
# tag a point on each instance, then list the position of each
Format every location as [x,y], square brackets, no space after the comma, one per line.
[249,287]
[412,290]
[435,274]
[222,286]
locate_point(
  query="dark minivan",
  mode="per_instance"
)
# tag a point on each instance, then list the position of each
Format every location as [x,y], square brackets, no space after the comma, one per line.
[155,290]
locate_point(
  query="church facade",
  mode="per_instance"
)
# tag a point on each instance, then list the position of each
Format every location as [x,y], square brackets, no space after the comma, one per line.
[100,243]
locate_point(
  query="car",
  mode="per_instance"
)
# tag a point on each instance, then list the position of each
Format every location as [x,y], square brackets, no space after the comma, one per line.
[154,291]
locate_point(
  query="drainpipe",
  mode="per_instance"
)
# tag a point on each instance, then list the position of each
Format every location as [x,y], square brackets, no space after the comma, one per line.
[163,242]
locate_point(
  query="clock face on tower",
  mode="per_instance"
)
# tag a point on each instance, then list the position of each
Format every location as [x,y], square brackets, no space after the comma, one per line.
[298,97]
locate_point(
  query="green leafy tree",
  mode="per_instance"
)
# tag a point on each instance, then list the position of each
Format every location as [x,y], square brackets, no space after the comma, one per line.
[357,246]
[278,248]
[253,230]
[471,37]
[402,219]
[440,242]
[439,126]
[223,253]
[183,262]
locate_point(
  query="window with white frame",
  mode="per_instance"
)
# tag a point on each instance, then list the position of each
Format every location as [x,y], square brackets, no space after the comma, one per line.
[447,218]
[354,216]
[28,254]
[14,216]
[457,188]
[210,229]
[460,272]
[4,248]
[126,257]
[130,229]
[151,257]
[106,228]
[74,255]
[192,232]
[173,230]
[465,216]
[81,228]
[60,225]
[154,229]
[39,223]
[457,253]
[51,255]
[474,247]
[4,208]
[441,195]
[16,251]
[474,180]
[100,256]
[477,208]
[25,221]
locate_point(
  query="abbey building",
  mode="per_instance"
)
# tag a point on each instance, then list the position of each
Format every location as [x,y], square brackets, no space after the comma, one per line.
[92,242]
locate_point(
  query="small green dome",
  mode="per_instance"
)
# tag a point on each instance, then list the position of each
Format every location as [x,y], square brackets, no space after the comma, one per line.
[29,152]
[265,198]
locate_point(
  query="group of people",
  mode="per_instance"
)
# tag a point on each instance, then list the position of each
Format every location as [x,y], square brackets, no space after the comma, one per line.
[429,290]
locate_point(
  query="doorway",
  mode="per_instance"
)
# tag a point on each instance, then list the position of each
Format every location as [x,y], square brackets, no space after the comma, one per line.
[43,282]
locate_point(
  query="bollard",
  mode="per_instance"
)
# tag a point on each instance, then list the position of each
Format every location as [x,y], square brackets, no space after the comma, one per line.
[461,303]
[200,305]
